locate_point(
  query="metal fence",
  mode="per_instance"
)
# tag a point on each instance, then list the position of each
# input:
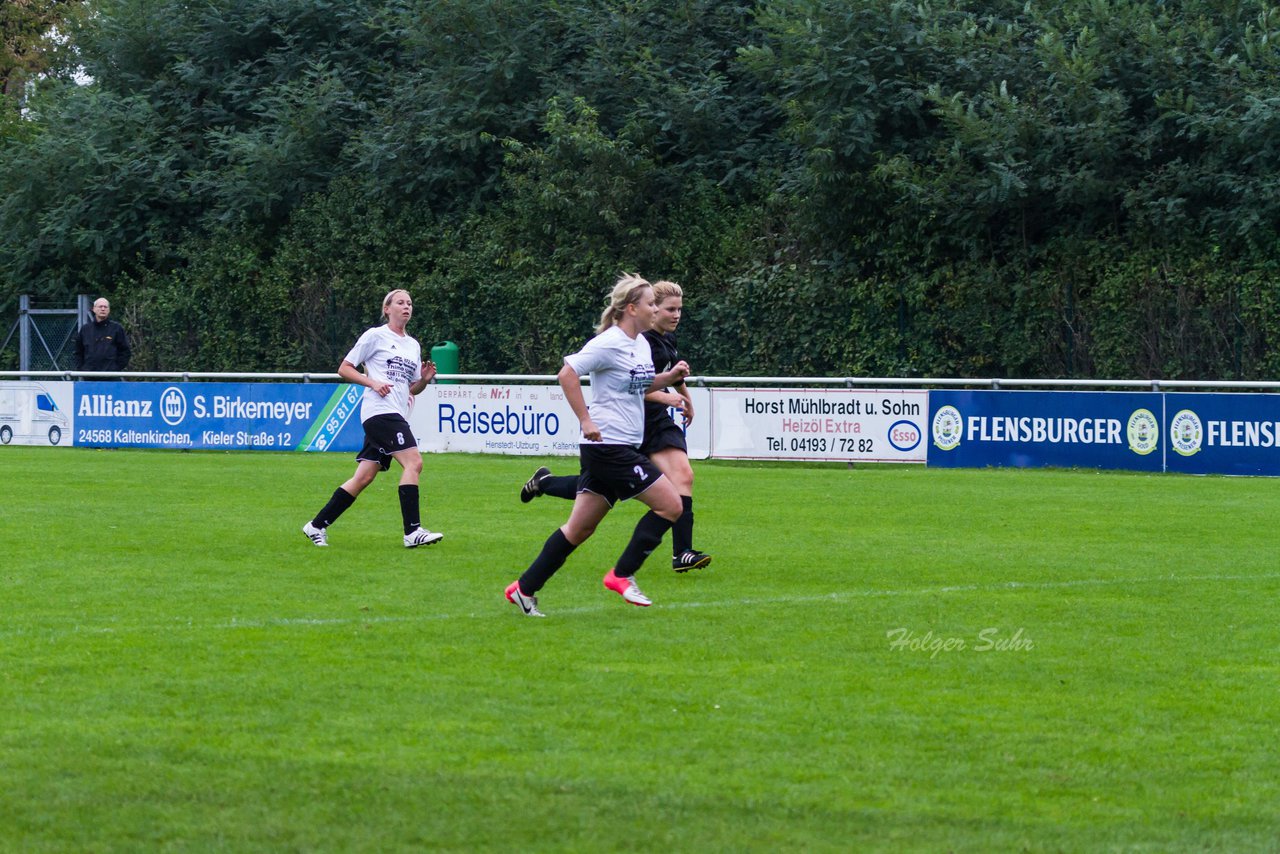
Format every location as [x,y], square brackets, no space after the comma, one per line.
[45,335]
[840,382]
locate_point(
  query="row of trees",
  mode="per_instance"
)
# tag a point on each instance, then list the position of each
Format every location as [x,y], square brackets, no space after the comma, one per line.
[1082,188]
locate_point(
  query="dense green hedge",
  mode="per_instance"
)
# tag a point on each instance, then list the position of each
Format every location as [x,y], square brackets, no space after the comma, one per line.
[1094,310]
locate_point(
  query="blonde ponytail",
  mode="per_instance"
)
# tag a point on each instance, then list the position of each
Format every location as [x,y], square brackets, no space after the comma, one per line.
[627,291]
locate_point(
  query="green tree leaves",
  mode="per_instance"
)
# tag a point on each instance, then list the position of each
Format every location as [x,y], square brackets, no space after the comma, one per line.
[843,185]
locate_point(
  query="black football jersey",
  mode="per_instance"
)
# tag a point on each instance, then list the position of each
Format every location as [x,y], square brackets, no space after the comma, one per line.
[665,356]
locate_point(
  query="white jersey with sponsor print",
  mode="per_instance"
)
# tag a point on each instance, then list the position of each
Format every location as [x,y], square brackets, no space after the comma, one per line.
[621,369]
[391,357]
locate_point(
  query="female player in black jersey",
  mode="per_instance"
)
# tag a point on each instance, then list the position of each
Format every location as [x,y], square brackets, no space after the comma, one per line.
[664,441]
[620,364]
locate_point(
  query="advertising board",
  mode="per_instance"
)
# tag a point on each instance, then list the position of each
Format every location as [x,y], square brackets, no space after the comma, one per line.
[521,420]
[502,419]
[1193,433]
[850,425]
[1223,433]
[221,416]
[33,413]
[1111,430]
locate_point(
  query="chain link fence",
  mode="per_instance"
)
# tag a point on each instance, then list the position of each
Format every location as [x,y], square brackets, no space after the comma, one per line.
[43,338]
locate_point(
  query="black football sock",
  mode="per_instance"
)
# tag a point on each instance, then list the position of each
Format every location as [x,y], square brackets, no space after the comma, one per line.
[555,551]
[409,508]
[337,505]
[644,539]
[682,530]
[560,486]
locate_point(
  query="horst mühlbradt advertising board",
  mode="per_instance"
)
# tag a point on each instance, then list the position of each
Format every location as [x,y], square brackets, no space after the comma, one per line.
[852,425]
[1023,429]
[1223,433]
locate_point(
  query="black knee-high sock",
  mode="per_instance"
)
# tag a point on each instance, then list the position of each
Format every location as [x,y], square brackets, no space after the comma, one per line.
[555,551]
[338,504]
[682,530]
[560,486]
[644,539]
[409,508]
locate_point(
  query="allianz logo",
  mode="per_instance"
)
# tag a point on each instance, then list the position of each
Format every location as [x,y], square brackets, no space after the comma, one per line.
[173,406]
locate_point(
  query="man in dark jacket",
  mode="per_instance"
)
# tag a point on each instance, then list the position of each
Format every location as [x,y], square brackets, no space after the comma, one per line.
[102,345]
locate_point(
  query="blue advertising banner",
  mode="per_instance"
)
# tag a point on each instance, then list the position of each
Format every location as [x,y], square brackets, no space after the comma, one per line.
[1191,433]
[1115,430]
[1223,433]
[223,416]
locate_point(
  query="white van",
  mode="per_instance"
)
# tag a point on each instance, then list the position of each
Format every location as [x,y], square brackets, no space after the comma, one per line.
[28,411]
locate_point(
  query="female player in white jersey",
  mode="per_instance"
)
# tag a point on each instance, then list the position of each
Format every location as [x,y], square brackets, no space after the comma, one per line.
[664,441]
[620,364]
[393,371]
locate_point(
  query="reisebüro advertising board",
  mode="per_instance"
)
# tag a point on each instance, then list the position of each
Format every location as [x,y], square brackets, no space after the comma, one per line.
[521,420]
[1111,430]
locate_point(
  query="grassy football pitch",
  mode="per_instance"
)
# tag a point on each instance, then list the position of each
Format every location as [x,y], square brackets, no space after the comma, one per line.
[882,658]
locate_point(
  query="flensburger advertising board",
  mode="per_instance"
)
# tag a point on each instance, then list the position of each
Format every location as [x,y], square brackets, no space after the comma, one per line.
[222,416]
[1112,430]
[1223,433]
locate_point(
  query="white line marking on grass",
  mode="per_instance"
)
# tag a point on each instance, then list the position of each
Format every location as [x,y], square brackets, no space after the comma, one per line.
[736,602]
[842,595]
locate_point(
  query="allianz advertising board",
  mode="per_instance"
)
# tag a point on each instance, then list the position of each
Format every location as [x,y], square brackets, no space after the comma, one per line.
[222,416]
[1113,430]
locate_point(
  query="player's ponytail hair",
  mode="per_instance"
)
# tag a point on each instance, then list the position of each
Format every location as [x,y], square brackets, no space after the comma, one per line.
[664,289]
[386,301]
[628,290]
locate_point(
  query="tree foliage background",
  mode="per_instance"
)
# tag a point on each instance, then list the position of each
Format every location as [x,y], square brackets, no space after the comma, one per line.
[1085,188]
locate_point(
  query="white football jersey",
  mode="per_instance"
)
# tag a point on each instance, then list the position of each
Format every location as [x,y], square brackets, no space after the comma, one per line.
[391,357]
[621,369]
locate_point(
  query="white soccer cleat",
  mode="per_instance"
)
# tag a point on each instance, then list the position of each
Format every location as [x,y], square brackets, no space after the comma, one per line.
[421,537]
[316,535]
[627,589]
[527,604]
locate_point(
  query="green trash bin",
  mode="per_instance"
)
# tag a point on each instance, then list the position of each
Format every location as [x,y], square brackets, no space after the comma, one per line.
[445,355]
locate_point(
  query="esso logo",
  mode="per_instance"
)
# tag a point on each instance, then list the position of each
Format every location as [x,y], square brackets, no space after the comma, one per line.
[904,435]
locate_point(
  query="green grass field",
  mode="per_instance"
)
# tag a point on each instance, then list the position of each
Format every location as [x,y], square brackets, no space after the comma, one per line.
[180,670]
